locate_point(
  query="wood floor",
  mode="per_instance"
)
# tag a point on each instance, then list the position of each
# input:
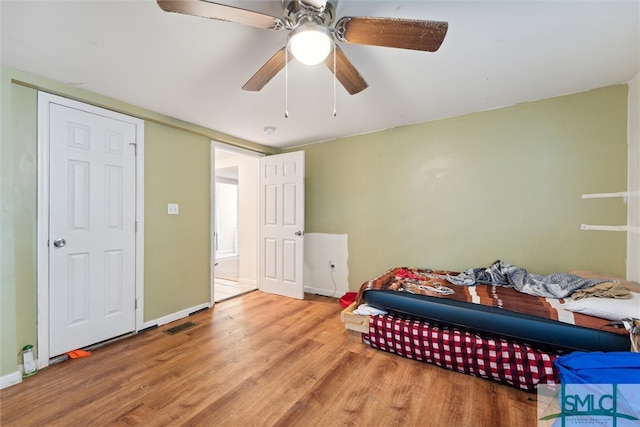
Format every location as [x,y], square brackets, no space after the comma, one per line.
[258,360]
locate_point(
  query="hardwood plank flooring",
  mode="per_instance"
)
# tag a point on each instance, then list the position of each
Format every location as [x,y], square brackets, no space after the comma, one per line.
[258,360]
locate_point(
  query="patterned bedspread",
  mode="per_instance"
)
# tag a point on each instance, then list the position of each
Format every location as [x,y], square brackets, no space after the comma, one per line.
[433,283]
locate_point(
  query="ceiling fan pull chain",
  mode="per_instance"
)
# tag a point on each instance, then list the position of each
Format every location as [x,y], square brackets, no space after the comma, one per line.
[335,111]
[286,84]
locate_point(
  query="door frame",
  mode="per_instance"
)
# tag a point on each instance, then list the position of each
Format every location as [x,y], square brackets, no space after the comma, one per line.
[42,254]
[244,152]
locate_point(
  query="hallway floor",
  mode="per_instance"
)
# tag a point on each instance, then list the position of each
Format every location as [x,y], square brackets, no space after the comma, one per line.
[227,284]
[225,289]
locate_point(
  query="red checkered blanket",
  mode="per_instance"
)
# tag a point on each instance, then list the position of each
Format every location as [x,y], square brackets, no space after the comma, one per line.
[499,359]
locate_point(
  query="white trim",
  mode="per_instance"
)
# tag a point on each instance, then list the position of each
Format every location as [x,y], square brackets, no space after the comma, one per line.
[234,149]
[10,379]
[633,179]
[42,252]
[139,222]
[212,231]
[322,291]
[222,180]
[174,316]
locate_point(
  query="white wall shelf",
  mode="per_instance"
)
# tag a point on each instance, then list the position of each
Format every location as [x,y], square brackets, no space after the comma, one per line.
[604,227]
[624,194]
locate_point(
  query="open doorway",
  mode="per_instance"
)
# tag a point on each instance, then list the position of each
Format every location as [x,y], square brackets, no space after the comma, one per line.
[226,205]
[235,222]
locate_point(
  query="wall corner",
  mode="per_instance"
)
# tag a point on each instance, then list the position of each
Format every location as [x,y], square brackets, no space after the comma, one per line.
[633,177]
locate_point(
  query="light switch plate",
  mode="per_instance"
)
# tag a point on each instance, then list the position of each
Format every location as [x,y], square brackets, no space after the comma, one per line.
[172,209]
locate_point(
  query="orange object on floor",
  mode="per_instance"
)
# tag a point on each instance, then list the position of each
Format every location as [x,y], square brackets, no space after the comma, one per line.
[75,354]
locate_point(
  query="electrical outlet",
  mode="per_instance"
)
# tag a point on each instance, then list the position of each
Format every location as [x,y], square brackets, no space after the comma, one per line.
[173,209]
[332,265]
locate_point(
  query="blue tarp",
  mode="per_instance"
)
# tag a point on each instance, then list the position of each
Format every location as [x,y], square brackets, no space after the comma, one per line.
[618,367]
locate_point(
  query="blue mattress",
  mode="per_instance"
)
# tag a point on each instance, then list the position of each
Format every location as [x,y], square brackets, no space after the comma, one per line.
[528,328]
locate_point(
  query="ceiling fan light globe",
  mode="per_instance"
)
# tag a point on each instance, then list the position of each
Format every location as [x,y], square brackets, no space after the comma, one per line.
[310,47]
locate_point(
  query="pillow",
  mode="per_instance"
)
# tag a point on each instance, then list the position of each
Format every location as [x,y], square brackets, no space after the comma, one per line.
[607,308]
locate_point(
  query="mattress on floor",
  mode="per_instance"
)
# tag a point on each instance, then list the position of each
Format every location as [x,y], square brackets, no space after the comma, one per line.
[495,358]
[494,310]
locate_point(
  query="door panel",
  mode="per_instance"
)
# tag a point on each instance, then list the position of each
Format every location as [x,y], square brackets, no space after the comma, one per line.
[290,261]
[281,249]
[91,228]
[77,288]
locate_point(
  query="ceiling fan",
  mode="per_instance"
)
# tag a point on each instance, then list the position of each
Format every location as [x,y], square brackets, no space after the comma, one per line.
[311,40]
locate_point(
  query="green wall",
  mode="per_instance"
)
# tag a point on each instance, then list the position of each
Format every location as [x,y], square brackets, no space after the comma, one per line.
[8,307]
[177,170]
[176,255]
[25,174]
[463,192]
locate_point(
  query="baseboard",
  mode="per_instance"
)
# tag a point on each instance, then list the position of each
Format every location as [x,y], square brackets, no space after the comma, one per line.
[10,379]
[248,281]
[174,316]
[323,292]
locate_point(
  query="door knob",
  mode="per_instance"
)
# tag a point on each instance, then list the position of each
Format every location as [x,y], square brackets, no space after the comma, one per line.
[299,233]
[60,242]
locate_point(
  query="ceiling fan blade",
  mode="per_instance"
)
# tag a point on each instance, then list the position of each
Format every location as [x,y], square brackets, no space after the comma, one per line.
[345,72]
[222,12]
[268,71]
[392,32]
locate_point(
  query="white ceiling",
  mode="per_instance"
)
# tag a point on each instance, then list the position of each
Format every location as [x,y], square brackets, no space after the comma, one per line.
[495,54]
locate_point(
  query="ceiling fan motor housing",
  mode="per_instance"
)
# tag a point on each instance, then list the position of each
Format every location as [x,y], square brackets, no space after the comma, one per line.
[323,13]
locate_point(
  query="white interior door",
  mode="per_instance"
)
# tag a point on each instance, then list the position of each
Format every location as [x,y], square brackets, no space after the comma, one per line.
[91,228]
[281,248]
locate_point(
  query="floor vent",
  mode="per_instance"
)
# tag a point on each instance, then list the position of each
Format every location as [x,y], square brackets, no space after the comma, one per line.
[180,328]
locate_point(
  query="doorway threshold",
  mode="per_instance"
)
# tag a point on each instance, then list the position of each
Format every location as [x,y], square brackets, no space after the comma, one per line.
[226,289]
